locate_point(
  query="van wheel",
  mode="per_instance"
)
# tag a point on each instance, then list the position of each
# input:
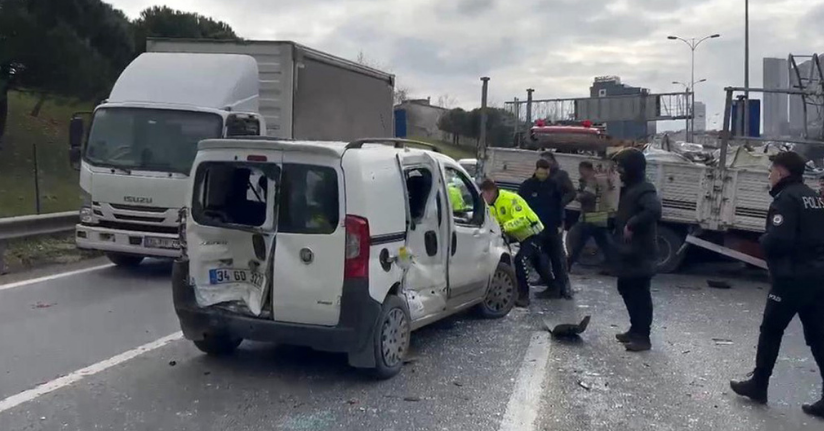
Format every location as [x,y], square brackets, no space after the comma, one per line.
[218,345]
[391,338]
[501,294]
[669,242]
[124,260]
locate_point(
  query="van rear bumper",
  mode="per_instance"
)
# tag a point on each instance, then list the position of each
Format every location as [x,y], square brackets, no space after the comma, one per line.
[353,334]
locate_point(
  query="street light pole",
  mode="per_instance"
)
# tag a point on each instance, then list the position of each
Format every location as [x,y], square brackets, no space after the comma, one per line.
[746,67]
[693,44]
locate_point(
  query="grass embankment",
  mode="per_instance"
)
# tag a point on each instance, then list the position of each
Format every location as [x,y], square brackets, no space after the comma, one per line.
[59,189]
[454,151]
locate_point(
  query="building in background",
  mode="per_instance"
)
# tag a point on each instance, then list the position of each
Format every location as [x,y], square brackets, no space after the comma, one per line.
[700,117]
[419,118]
[776,113]
[610,86]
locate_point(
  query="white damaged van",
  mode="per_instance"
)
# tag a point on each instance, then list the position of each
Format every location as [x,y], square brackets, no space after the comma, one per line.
[343,247]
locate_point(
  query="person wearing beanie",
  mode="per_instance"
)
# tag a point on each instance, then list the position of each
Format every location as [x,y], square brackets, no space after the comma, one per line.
[635,254]
[793,246]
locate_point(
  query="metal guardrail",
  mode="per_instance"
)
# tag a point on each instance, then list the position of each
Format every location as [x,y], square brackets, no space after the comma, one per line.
[33,226]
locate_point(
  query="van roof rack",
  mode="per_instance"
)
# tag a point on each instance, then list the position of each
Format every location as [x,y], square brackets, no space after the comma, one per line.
[396,142]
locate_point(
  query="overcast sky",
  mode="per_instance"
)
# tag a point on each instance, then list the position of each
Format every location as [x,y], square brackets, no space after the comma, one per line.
[555,46]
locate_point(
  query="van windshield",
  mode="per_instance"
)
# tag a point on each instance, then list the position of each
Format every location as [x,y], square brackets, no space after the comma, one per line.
[149,139]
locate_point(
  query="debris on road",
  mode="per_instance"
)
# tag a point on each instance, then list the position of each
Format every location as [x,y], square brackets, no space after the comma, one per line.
[719,284]
[584,385]
[568,329]
[42,305]
[722,341]
[172,363]
[412,399]
[457,383]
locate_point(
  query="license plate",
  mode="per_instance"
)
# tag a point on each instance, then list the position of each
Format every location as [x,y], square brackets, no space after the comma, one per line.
[223,276]
[154,242]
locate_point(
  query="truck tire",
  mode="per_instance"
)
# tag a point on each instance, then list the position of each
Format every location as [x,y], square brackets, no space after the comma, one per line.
[501,294]
[124,260]
[218,345]
[669,242]
[391,338]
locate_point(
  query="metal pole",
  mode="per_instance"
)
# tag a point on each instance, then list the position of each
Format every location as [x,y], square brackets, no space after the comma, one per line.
[692,95]
[482,140]
[36,180]
[726,130]
[746,68]
[529,92]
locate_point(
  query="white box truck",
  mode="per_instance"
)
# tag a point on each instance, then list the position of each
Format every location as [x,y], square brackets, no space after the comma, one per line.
[135,159]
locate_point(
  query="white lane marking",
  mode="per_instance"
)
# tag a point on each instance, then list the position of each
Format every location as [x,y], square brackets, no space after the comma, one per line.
[525,400]
[53,277]
[61,382]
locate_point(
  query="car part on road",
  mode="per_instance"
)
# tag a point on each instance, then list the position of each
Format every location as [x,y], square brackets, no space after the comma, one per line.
[391,340]
[218,345]
[125,260]
[501,294]
[565,330]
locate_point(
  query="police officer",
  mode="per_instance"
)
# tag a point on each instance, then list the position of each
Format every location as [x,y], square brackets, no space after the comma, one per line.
[635,255]
[793,245]
[522,224]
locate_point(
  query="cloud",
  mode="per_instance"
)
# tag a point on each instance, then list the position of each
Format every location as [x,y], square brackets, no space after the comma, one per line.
[554,46]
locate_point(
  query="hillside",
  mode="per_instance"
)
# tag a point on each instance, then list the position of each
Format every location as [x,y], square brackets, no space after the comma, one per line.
[59,188]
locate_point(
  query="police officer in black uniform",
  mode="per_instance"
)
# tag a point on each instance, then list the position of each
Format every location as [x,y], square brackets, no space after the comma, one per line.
[794,248]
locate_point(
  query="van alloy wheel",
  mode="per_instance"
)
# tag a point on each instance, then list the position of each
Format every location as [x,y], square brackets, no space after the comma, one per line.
[500,293]
[394,337]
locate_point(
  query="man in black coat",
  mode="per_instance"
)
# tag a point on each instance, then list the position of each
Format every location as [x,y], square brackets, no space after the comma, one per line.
[547,194]
[793,245]
[635,256]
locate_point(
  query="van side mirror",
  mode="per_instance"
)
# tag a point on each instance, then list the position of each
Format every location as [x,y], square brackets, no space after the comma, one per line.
[76,133]
[242,125]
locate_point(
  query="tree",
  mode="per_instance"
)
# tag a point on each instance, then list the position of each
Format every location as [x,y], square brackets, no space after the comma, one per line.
[446,101]
[163,21]
[499,125]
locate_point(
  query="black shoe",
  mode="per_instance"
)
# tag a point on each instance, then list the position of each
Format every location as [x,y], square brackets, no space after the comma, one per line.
[624,337]
[754,389]
[638,344]
[816,409]
[522,302]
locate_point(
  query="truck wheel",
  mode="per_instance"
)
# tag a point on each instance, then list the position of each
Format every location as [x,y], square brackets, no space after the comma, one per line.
[591,255]
[391,339]
[124,260]
[669,242]
[501,294]
[218,345]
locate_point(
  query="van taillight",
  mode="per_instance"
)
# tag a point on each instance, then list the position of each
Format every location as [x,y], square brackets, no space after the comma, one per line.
[256,158]
[356,264]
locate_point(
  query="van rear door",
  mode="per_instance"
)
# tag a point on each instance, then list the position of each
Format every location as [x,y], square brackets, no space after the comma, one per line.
[308,274]
[232,226]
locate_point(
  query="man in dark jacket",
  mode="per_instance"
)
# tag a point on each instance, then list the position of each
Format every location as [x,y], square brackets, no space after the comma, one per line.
[635,256]
[793,245]
[545,194]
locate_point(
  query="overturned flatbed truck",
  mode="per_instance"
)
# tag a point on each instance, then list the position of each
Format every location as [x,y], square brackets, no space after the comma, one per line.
[719,207]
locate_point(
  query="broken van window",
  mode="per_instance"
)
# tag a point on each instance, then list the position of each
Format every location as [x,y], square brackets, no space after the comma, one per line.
[419,187]
[232,194]
[308,199]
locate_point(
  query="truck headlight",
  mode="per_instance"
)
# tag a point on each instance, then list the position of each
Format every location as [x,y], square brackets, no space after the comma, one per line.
[86,211]
[87,216]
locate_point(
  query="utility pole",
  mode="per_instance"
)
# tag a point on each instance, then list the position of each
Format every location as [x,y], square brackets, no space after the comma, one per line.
[482,140]
[529,92]
[746,68]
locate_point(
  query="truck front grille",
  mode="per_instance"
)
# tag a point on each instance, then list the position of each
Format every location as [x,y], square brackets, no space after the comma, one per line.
[137,208]
[138,227]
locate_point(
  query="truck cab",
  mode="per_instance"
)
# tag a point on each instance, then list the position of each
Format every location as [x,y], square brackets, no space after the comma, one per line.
[135,157]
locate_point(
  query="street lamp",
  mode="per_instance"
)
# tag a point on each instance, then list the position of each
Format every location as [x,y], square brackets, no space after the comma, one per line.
[693,44]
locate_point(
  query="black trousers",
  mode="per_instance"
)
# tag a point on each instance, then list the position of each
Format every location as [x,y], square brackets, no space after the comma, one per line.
[786,299]
[638,299]
[585,232]
[552,244]
[530,252]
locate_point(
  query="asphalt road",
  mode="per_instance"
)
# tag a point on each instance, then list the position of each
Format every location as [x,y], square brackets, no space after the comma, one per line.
[464,373]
